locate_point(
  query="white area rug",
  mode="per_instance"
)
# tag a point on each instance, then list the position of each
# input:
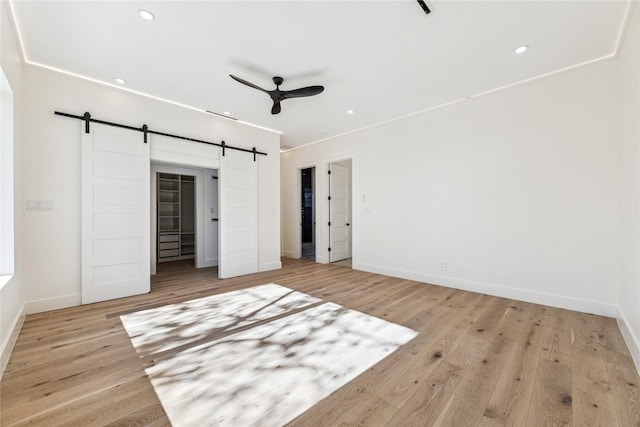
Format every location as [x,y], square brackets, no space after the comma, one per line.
[263,375]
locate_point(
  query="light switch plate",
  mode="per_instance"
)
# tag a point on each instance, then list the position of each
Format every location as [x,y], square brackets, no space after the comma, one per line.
[39,205]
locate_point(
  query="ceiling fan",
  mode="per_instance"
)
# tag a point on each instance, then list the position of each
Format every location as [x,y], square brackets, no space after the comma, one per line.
[278,95]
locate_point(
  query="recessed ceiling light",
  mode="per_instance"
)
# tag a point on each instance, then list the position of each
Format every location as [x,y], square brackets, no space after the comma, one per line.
[146,15]
[350,111]
[521,49]
[120,80]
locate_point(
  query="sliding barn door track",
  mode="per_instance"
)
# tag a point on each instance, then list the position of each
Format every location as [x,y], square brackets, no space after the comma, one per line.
[86,117]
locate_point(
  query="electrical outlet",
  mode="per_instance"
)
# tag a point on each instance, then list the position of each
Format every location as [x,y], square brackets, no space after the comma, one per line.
[443,266]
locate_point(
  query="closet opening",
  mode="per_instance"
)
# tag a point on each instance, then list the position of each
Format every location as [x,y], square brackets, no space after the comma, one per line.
[176,218]
[184,217]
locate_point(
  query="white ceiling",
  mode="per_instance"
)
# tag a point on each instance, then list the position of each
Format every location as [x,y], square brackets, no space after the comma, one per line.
[383,59]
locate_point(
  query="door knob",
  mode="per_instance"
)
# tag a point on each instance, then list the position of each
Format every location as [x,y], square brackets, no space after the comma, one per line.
[348,224]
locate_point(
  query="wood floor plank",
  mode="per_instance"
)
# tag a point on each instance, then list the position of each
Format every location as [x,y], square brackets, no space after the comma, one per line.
[592,397]
[469,401]
[427,402]
[476,360]
[432,393]
[491,317]
[59,393]
[132,400]
[612,345]
[439,343]
[625,381]
[556,345]
[551,404]
[584,337]
[509,403]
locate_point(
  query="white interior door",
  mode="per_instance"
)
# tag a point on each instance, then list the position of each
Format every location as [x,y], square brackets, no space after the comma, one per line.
[238,221]
[339,221]
[115,214]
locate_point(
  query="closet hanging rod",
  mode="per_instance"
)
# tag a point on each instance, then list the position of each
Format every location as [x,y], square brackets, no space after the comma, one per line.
[144,129]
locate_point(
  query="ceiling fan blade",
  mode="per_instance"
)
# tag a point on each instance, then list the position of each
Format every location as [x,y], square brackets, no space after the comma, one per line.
[305,91]
[278,95]
[244,82]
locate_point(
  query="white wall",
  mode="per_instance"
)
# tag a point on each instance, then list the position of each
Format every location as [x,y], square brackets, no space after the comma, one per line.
[517,191]
[11,294]
[629,113]
[52,172]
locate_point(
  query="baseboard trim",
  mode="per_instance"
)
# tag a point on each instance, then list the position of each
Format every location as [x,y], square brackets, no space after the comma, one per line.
[208,263]
[290,254]
[270,266]
[630,338]
[48,304]
[553,300]
[10,342]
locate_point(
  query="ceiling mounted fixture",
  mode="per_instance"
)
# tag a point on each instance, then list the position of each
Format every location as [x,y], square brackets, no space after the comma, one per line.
[120,80]
[521,49]
[424,6]
[146,15]
[350,111]
[278,95]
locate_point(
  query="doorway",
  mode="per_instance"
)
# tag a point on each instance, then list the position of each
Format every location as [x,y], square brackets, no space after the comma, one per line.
[176,217]
[184,216]
[308,213]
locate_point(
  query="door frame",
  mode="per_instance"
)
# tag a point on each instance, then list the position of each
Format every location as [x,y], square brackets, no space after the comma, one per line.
[298,217]
[173,153]
[314,231]
[156,168]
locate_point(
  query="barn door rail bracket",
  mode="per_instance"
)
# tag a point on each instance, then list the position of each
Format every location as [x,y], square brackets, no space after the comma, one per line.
[86,117]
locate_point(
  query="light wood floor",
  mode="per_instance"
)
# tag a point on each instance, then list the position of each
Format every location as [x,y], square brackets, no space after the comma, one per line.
[478,360]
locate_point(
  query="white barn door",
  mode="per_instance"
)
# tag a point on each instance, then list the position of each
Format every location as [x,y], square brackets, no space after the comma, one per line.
[115,214]
[238,185]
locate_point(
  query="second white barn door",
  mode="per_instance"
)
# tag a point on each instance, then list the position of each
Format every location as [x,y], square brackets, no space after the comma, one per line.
[115,214]
[238,185]
[339,221]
